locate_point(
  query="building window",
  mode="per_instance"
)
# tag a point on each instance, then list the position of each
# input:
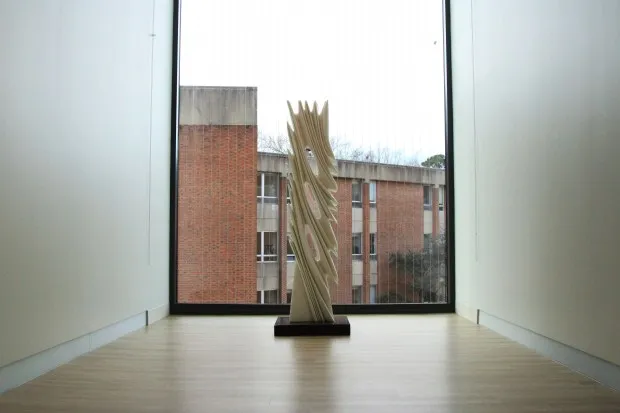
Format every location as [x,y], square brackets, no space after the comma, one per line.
[356,194]
[357,295]
[373,247]
[267,297]
[373,294]
[271,297]
[267,187]
[357,246]
[289,296]
[427,198]
[372,189]
[441,196]
[427,241]
[290,254]
[266,246]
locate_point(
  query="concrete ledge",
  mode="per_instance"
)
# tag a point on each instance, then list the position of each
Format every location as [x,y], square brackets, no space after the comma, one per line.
[365,171]
[22,371]
[604,372]
[223,106]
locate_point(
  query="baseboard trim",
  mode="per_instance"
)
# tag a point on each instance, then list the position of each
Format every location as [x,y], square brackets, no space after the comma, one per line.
[602,371]
[22,371]
[467,312]
[157,313]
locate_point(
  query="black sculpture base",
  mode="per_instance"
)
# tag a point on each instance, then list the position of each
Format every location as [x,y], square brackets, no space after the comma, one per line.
[284,328]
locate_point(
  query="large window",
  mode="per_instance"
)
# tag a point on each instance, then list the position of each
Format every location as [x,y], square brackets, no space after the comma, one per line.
[381,68]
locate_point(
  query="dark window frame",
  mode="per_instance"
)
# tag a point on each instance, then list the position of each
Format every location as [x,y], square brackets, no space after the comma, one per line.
[357,203]
[428,204]
[177,308]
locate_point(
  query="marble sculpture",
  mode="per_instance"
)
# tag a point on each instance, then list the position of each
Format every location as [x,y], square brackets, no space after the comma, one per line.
[312,186]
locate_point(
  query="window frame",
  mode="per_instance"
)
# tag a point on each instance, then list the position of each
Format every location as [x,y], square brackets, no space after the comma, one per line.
[262,254]
[262,294]
[373,246]
[359,290]
[355,203]
[428,206]
[371,201]
[427,241]
[357,256]
[289,257]
[262,198]
[177,308]
[440,197]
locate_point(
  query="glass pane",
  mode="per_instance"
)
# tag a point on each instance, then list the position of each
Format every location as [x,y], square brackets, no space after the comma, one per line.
[372,189]
[271,297]
[357,244]
[259,187]
[259,244]
[289,248]
[373,239]
[356,192]
[385,87]
[271,243]
[271,185]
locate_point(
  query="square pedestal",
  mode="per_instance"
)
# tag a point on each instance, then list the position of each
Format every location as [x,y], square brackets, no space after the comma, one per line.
[284,328]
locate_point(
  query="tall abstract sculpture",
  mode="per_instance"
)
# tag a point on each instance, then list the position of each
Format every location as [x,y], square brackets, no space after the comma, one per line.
[313,166]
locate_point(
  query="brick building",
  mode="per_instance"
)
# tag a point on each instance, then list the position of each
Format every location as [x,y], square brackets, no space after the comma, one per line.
[233,212]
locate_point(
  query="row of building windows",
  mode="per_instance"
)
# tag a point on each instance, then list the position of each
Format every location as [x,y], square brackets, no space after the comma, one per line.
[271,296]
[267,247]
[267,192]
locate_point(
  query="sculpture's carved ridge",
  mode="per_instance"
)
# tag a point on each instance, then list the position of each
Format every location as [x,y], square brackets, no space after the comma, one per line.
[314,208]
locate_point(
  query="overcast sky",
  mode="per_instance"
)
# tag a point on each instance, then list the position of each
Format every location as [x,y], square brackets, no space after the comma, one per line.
[379,63]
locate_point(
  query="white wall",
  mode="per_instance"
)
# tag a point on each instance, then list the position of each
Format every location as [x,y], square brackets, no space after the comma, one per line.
[84,166]
[537,141]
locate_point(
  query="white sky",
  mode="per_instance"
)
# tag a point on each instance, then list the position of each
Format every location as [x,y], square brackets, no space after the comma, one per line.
[375,61]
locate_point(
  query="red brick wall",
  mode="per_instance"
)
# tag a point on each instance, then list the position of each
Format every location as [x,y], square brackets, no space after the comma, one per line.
[217,214]
[366,242]
[283,236]
[342,293]
[400,227]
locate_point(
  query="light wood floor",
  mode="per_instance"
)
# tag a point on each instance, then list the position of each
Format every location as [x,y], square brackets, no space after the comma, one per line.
[389,364]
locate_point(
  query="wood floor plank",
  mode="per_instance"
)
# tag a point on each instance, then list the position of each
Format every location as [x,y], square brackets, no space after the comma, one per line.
[438,363]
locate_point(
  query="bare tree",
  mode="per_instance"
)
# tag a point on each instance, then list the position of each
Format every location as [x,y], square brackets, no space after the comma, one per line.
[273,144]
[343,150]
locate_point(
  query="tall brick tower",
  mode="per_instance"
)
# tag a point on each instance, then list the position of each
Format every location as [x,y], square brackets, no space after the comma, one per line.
[217,195]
